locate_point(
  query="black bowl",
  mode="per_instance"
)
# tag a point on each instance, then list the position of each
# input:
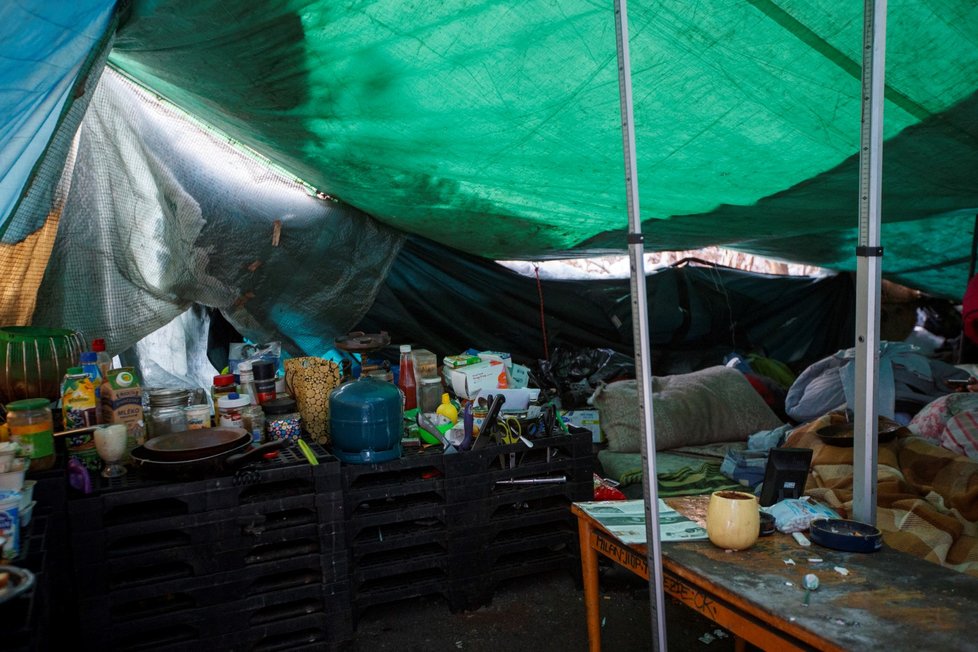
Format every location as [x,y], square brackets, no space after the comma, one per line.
[842,534]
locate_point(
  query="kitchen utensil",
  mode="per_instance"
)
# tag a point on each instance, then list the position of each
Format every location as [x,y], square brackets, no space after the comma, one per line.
[204,463]
[194,444]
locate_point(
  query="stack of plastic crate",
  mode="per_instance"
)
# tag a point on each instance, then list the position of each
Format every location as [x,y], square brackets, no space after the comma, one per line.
[244,561]
[509,512]
[396,530]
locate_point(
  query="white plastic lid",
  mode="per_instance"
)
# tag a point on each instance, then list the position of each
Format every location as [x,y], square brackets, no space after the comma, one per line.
[233,400]
[405,348]
[244,365]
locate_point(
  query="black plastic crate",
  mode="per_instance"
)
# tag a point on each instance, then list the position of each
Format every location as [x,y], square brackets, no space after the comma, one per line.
[226,618]
[474,592]
[401,561]
[222,528]
[396,509]
[413,468]
[399,587]
[97,576]
[208,590]
[570,474]
[496,457]
[505,501]
[133,498]
[403,534]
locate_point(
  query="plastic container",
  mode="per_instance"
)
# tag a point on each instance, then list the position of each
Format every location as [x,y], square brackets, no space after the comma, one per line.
[282,420]
[198,417]
[425,365]
[102,358]
[32,426]
[229,409]
[33,361]
[10,522]
[406,381]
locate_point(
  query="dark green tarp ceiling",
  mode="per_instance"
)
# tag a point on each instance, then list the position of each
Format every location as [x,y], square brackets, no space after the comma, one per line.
[494,127]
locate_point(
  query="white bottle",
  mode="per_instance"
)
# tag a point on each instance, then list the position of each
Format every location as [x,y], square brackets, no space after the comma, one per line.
[246,381]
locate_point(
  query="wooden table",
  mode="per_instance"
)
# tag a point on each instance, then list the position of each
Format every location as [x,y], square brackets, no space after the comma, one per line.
[887,599]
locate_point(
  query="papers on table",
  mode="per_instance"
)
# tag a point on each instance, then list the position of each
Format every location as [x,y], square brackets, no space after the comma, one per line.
[626,520]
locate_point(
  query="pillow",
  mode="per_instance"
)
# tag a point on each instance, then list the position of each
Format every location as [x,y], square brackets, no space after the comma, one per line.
[704,407]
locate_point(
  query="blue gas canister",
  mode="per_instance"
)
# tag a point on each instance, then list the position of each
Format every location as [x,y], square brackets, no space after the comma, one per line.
[366,421]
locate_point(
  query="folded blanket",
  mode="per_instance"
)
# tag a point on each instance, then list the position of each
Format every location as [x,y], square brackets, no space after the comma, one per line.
[693,481]
[679,475]
[927,497]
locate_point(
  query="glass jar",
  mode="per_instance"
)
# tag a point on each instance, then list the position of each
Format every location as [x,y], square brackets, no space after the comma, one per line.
[282,420]
[167,411]
[32,426]
[253,420]
[223,385]
[429,394]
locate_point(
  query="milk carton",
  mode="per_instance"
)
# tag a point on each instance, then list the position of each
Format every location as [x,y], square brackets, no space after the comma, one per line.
[122,402]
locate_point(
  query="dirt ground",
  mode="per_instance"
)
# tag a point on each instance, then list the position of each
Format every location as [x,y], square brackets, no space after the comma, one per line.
[540,613]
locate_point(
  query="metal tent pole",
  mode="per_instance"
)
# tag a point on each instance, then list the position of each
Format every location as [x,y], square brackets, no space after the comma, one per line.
[640,326]
[869,255]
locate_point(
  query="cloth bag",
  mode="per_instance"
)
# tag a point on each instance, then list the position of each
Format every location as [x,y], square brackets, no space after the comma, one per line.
[310,381]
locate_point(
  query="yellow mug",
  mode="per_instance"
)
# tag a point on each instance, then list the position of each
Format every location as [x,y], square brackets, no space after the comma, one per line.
[733,520]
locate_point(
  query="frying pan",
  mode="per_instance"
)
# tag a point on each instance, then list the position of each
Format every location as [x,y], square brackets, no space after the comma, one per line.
[195,444]
[178,455]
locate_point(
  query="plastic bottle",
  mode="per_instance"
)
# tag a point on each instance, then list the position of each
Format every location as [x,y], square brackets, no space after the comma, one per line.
[89,362]
[246,381]
[103,359]
[447,410]
[406,380]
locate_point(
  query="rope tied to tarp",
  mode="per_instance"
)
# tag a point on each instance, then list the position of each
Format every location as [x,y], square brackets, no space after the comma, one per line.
[543,321]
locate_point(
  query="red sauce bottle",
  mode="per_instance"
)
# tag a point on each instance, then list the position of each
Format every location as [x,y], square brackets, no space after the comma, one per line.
[405,378]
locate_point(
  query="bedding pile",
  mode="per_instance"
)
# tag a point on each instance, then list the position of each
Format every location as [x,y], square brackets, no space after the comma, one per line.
[927,495]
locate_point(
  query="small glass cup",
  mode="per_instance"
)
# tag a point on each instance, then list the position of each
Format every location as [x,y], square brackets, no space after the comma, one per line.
[110,442]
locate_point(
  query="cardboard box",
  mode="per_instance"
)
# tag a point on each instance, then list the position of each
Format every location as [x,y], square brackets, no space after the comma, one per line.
[122,401]
[497,356]
[456,361]
[466,381]
[585,419]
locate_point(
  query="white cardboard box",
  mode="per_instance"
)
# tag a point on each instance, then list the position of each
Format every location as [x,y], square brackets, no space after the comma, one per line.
[466,381]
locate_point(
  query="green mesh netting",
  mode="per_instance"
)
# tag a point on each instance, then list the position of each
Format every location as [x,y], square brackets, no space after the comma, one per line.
[494,127]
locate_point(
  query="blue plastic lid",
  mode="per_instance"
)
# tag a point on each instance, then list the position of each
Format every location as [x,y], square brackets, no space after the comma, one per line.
[89,356]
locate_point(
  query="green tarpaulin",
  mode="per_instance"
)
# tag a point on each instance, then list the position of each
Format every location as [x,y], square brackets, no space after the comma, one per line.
[494,127]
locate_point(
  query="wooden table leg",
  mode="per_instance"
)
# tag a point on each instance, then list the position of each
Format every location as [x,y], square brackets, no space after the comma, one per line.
[589,570]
